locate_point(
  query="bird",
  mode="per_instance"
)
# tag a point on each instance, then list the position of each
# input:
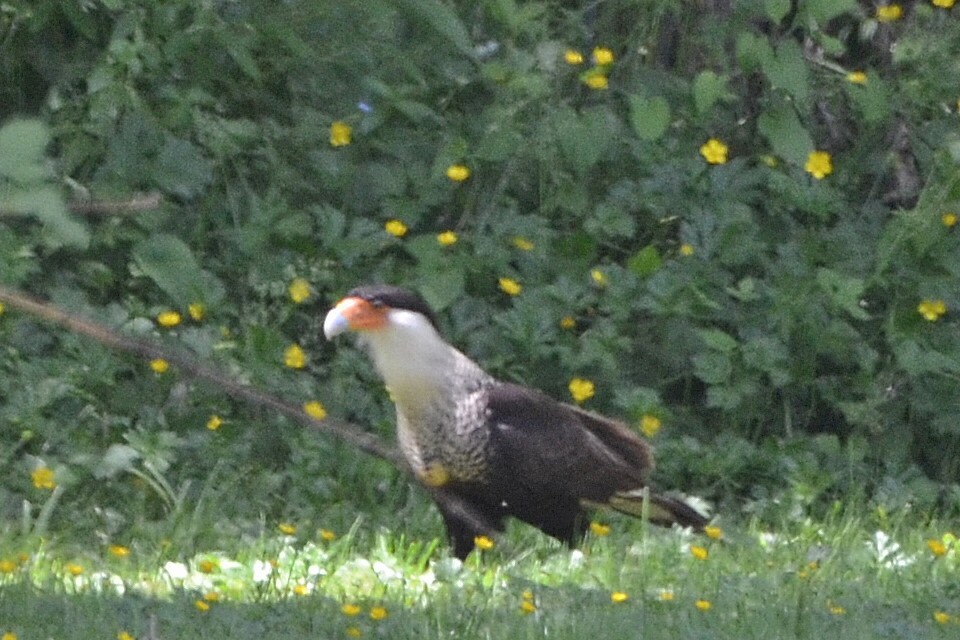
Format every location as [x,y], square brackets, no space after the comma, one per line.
[487,449]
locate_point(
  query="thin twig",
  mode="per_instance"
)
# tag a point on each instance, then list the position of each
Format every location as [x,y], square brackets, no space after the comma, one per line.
[350,433]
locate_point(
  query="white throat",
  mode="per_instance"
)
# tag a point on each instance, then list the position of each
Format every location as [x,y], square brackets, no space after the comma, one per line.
[415,362]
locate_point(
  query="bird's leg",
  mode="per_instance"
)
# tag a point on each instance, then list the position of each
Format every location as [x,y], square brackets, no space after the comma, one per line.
[464,521]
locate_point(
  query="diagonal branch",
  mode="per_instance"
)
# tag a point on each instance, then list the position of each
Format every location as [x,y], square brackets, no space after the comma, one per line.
[350,433]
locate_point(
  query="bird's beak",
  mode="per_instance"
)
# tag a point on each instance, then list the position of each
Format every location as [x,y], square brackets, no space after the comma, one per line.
[353,314]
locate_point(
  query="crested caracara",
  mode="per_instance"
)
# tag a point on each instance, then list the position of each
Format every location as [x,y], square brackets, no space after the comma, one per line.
[487,449]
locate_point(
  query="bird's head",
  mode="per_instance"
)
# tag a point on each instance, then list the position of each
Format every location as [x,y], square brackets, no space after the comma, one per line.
[400,331]
[376,309]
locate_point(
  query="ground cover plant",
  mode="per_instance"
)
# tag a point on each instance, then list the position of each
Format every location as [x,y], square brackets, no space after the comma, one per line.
[732,224]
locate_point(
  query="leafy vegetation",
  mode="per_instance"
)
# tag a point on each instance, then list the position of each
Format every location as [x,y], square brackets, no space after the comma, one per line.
[736,221]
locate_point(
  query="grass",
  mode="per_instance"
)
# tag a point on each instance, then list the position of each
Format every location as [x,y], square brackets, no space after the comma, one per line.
[855,576]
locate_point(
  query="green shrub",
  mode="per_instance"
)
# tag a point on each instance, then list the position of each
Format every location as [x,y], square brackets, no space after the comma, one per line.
[743,292]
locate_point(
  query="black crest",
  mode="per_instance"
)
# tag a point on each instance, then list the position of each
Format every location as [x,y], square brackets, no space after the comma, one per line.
[395,298]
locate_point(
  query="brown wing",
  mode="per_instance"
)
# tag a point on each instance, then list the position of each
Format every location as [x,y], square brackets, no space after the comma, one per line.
[552,458]
[551,450]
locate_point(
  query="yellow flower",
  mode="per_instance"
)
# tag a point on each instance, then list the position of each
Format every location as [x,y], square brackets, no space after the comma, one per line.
[650,425]
[315,410]
[447,238]
[197,311]
[527,607]
[9,635]
[714,151]
[207,566]
[327,535]
[510,286]
[458,172]
[572,56]
[299,290]
[568,322]
[2,308]
[294,357]
[396,228]
[819,164]
[214,422]
[7,566]
[700,553]
[597,81]
[666,595]
[211,596]
[123,635]
[73,569]
[378,613]
[118,551]
[889,13]
[944,4]
[522,243]
[600,530]
[703,605]
[686,250]
[301,589]
[936,547]
[599,278]
[483,543]
[949,219]
[43,478]
[857,77]
[942,617]
[581,390]
[350,609]
[201,606]
[835,609]
[931,310]
[602,56]
[159,365]
[168,319]
[712,532]
[287,529]
[353,632]
[340,134]
[619,596]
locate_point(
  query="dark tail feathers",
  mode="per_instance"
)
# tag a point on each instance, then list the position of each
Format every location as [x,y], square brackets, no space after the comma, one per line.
[662,510]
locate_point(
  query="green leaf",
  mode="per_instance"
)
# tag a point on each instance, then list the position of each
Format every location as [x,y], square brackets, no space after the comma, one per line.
[777,10]
[442,287]
[872,99]
[708,88]
[846,292]
[753,51]
[583,138]
[646,261]
[442,19]
[713,367]
[788,70]
[718,340]
[170,263]
[823,11]
[649,117]
[181,168]
[46,204]
[116,459]
[787,136]
[22,146]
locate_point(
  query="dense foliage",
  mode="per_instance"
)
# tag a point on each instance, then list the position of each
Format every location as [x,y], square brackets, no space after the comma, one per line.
[737,220]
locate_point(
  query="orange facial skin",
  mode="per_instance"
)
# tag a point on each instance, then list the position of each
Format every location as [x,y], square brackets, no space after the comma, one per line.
[361,315]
